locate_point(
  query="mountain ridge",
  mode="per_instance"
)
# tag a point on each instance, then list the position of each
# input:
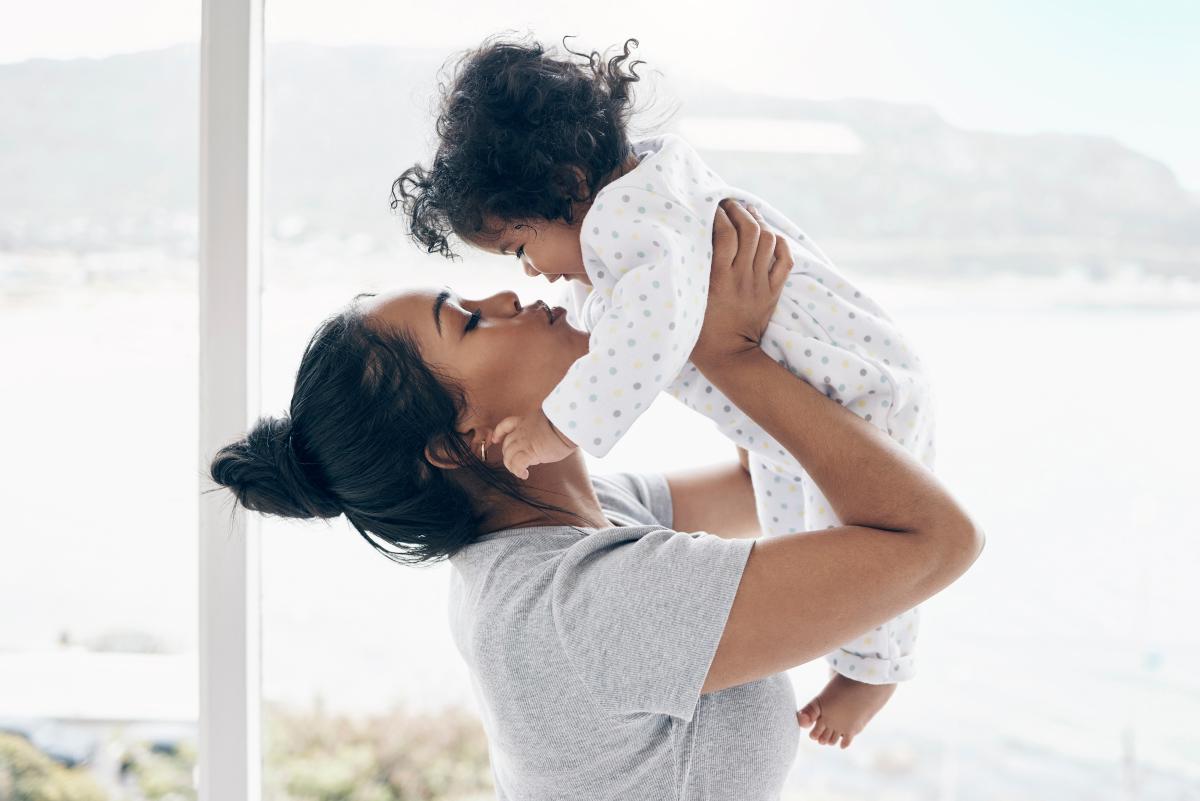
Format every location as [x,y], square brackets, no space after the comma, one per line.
[342,122]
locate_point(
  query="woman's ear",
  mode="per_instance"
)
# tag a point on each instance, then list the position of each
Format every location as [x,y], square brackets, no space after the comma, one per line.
[440,454]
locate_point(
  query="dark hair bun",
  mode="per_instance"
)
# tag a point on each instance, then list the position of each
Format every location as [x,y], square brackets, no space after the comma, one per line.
[267,475]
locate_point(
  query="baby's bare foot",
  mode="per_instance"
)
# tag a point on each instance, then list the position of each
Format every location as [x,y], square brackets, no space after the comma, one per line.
[843,709]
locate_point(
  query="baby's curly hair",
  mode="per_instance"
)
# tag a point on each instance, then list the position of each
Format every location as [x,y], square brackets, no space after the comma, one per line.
[517,127]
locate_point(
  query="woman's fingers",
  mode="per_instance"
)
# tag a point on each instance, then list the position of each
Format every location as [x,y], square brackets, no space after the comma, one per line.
[781,267]
[742,290]
[764,253]
[747,236]
[725,242]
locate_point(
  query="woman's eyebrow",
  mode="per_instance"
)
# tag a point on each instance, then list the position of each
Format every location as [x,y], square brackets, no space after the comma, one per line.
[437,309]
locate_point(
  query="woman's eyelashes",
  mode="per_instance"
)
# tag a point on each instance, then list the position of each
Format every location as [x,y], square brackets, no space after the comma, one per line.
[521,252]
[473,321]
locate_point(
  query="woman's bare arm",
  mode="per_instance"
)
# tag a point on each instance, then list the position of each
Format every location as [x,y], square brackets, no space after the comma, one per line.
[718,499]
[803,594]
[905,536]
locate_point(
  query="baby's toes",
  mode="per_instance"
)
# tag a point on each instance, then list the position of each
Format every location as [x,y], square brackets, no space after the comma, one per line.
[846,740]
[829,736]
[818,730]
[809,714]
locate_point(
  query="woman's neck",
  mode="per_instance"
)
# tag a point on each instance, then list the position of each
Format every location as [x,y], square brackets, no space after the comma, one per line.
[564,484]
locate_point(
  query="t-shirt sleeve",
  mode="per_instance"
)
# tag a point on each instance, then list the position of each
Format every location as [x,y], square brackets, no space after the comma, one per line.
[648,492]
[639,613]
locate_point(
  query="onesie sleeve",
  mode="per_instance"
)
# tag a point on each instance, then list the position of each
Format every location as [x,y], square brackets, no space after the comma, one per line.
[660,253]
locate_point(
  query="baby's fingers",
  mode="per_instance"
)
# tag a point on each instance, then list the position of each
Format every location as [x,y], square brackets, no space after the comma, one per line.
[504,428]
[517,459]
[518,464]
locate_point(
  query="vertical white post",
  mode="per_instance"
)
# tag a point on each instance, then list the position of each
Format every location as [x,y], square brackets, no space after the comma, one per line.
[230,287]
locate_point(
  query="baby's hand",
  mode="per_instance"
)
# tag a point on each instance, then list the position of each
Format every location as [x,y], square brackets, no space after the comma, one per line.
[531,440]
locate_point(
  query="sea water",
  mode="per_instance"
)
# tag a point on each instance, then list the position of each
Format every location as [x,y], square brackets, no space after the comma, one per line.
[1061,666]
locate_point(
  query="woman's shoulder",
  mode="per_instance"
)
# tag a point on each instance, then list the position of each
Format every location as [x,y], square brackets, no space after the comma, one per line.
[526,560]
[638,554]
[531,596]
[512,576]
[633,503]
[637,499]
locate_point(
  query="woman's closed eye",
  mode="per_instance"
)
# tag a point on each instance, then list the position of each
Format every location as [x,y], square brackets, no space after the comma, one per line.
[520,254]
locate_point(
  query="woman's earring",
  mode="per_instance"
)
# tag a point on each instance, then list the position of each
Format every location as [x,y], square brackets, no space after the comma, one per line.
[483,450]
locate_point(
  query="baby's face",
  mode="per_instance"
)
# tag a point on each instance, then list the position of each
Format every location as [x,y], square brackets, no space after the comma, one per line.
[547,249]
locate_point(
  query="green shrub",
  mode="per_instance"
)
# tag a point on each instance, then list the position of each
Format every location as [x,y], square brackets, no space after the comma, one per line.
[394,756]
[26,774]
[163,776]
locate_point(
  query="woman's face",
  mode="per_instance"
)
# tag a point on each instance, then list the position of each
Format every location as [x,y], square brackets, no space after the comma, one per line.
[507,358]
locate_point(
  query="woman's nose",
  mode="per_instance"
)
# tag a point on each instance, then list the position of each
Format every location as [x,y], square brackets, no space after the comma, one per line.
[505,302]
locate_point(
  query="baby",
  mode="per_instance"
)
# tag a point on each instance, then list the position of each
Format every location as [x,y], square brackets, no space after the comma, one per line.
[534,161]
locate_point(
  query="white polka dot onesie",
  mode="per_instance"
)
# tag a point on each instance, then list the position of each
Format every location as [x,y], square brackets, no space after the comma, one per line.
[647,248]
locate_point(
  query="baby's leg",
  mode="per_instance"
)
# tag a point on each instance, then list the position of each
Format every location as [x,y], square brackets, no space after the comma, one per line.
[778,497]
[883,655]
[787,502]
[866,669]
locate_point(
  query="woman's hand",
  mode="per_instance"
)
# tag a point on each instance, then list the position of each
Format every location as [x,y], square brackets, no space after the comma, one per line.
[749,267]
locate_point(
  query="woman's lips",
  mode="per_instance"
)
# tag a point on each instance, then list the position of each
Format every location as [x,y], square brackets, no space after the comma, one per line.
[552,314]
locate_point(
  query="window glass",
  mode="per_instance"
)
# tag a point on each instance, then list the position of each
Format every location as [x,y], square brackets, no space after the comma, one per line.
[1045,279]
[98,411]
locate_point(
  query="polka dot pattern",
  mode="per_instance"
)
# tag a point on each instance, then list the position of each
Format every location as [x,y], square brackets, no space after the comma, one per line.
[647,249]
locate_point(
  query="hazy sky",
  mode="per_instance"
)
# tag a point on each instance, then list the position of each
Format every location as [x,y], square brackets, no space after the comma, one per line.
[1130,70]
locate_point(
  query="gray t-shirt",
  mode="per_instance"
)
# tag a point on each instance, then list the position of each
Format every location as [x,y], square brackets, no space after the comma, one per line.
[588,651]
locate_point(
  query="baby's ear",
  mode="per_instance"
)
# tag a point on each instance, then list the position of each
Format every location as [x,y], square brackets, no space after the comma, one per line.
[580,175]
[574,182]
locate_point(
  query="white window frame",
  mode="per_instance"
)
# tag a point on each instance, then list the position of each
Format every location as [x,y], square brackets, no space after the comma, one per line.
[230,278]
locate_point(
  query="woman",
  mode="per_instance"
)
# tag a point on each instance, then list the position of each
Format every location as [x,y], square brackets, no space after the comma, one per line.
[615,656]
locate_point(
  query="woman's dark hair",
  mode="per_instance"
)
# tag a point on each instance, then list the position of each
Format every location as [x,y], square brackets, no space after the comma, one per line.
[517,128]
[353,443]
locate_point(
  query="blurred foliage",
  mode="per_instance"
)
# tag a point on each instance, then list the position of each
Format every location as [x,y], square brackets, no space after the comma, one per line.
[162,772]
[393,756]
[26,774]
[309,755]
